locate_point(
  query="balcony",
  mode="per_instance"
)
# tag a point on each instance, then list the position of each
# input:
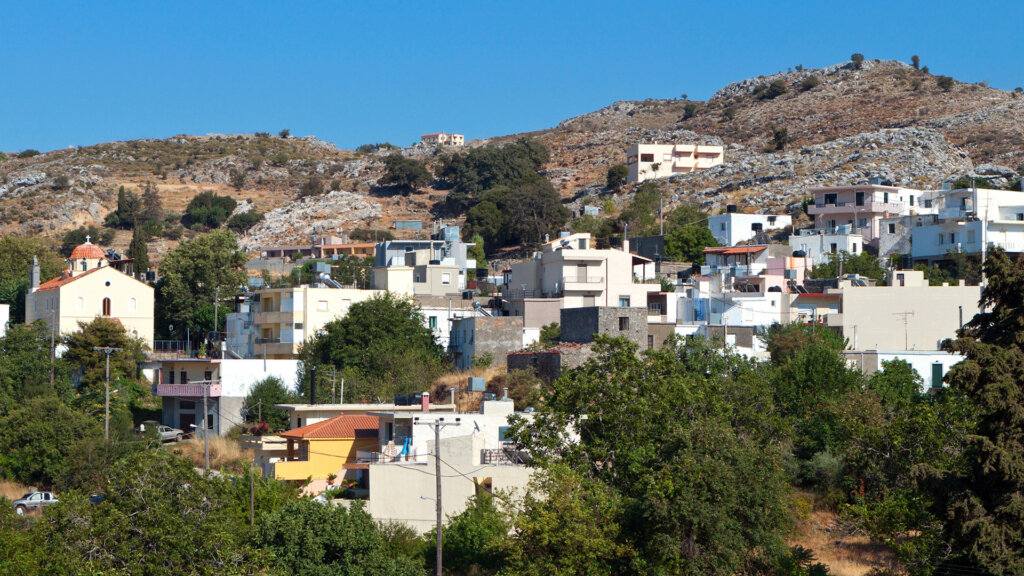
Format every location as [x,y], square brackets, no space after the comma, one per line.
[191,390]
[172,350]
[275,317]
[260,341]
[588,282]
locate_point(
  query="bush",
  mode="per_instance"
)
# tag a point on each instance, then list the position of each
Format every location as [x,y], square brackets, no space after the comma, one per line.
[61,182]
[237,179]
[771,91]
[690,110]
[208,210]
[858,60]
[616,177]
[915,61]
[945,83]
[241,223]
[778,139]
[809,83]
[28,153]
[313,187]
[286,133]
[405,174]
[73,238]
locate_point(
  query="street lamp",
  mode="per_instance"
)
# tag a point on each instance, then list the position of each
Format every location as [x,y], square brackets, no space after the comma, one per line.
[106,403]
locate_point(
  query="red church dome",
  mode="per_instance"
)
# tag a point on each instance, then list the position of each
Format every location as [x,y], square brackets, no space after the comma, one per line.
[87,250]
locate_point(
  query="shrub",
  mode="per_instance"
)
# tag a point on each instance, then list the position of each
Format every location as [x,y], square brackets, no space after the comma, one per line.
[690,110]
[915,61]
[945,83]
[61,182]
[286,133]
[778,139]
[809,83]
[242,222]
[237,179]
[28,153]
[925,70]
[858,60]
[3,156]
[209,210]
[616,177]
[313,187]
[771,91]
[405,174]
[729,113]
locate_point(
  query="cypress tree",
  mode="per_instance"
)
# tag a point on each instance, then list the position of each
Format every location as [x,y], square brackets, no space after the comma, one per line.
[138,251]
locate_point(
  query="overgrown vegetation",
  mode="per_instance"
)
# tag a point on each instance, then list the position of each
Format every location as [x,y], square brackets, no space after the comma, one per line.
[207,210]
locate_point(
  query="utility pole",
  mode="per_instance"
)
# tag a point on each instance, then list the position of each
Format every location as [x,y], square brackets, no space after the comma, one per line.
[437,426]
[252,496]
[216,297]
[206,432]
[341,393]
[106,403]
[53,351]
[259,407]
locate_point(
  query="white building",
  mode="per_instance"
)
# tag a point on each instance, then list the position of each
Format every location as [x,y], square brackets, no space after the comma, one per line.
[930,365]
[819,245]
[732,228]
[5,317]
[647,161]
[968,219]
[862,207]
[440,138]
[475,455]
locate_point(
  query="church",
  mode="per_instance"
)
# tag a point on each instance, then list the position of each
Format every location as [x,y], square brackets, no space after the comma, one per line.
[92,285]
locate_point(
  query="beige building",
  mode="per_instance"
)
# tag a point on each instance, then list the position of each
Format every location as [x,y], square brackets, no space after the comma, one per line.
[91,287]
[287,316]
[420,273]
[647,161]
[906,315]
[571,269]
[444,139]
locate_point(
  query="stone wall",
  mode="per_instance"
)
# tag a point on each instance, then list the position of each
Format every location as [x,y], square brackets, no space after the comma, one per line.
[580,324]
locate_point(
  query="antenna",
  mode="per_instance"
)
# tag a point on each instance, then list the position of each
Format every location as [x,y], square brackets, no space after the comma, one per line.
[906,329]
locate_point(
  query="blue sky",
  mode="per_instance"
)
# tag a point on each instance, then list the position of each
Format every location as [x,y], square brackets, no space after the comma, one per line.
[78,73]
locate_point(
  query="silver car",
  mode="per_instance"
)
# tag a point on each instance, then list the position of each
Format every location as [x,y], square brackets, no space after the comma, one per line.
[34,501]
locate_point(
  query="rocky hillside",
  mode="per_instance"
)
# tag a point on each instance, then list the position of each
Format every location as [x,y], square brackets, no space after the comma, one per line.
[843,125]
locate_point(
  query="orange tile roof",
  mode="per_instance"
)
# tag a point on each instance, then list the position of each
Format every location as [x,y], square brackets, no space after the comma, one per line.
[343,426]
[730,250]
[62,280]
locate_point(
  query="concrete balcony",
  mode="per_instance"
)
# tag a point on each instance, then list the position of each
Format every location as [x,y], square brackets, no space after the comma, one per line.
[587,282]
[278,317]
[194,390]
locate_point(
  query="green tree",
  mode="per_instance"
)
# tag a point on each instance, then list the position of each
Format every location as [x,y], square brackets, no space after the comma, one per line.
[208,210]
[864,264]
[25,366]
[472,173]
[687,243]
[152,206]
[945,83]
[858,60]
[308,538]
[313,187]
[935,275]
[74,238]
[16,253]
[550,334]
[405,174]
[262,398]
[533,209]
[138,251]
[915,61]
[486,221]
[616,177]
[91,365]
[982,503]
[777,139]
[129,210]
[38,438]
[190,276]
[641,216]
[381,347]
[476,540]
[241,223]
[476,251]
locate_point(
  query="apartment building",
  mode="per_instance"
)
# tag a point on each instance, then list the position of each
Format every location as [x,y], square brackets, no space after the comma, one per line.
[819,245]
[571,269]
[649,161]
[440,138]
[965,220]
[862,207]
[732,228]
[287,316]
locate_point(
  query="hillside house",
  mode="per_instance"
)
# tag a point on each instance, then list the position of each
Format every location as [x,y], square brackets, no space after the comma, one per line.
[649,161]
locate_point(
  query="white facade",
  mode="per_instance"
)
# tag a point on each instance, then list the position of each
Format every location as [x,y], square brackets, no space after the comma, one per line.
[931,366]
[819,245]
[648,161]
[732,228]
[862,207]
[5,317]
[969,219]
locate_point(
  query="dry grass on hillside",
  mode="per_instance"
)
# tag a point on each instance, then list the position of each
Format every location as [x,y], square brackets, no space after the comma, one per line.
[465,401]
[225,453]
[844,555]
[12,490]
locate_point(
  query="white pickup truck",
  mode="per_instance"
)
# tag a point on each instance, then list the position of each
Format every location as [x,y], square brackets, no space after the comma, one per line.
[34,501]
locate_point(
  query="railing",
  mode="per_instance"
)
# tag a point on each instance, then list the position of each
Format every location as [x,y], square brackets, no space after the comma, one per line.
[172,349]
[508,456]
[522,294]
[583,279]
[268,340]
[190,390]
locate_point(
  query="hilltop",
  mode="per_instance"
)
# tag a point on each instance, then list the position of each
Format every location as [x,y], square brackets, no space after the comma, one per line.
[844,125]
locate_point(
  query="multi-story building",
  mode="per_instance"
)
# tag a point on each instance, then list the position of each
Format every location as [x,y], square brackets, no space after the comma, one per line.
[732,228]
[287,316]
[968,219]
[862,207]
[478,337]
[647,161]
[5,317]
[91,287]
[819,245]
[320,247]
[571,269]
[440,138]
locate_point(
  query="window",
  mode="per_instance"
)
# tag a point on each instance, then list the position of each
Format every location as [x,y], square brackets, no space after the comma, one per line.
[970,236]
[911,199]
[756,227]
[722,226]
[892,228]
[170,376]
[862,222]
[853,248]
[650,341]
[106,307]
[84,265]
[299,325]
[952,238]
[885,197]
[623,323]
[936,375]
[832,248]
[623,301]
[939,236]
[184,377]
[901,279]
[207,375]
[771,219]
[321,305]
[859,198]
[446,278]
[647,157]
[927,203]
[831,198]
[1020,216]
[830,223]
[79,303]
[133,305]
[433,322]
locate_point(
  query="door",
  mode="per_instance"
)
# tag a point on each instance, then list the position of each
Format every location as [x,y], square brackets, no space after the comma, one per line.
[581,272]
[185,421]
[936,375]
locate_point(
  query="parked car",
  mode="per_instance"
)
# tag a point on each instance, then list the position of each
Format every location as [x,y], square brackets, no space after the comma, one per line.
[165,433]
[34,501]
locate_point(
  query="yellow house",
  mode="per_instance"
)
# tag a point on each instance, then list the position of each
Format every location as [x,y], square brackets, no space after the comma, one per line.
[91,286]
[319,450]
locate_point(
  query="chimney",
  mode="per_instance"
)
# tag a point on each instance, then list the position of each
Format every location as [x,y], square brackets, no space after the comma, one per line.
[33,282]
[425,402]
[504,393]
